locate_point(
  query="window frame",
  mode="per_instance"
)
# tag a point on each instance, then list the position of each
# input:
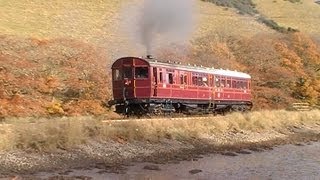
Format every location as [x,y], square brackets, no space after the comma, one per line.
[142,77]
[117,74]
[124,72]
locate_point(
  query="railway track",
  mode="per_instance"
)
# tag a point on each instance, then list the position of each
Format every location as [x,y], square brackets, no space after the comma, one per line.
[158,119]
[6,124]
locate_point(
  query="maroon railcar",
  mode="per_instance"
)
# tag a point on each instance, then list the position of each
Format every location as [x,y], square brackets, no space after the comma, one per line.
[145,85]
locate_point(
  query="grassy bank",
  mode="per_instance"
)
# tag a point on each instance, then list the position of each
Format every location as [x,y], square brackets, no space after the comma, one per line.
[43,134]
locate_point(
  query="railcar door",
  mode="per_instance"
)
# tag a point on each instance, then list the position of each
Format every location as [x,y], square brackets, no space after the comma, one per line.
[122,82]
[127,82]
[155,82]
[218,88]
[142,85]
[161,84]
[182,84]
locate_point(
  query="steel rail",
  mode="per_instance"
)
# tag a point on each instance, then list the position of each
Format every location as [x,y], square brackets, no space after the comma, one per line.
[159,119]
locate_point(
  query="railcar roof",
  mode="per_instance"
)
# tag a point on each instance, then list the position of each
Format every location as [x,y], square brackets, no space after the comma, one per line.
[200,69]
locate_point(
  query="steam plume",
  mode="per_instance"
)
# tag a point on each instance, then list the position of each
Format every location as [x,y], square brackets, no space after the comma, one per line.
[170,19]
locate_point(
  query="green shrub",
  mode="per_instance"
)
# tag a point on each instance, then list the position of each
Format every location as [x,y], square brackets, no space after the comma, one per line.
[243,6]
[249,8]
[274,25]
[294,1]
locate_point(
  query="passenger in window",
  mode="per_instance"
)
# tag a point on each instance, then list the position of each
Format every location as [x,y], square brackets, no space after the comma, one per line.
[217,84]
[205,82]
[199,83]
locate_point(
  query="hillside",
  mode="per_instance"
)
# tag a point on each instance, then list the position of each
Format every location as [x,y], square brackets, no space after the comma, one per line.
[105,23]
[51,77]
[303,15]
[55,56]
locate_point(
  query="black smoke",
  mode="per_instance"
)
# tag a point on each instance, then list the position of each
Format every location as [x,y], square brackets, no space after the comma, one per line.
[171,20]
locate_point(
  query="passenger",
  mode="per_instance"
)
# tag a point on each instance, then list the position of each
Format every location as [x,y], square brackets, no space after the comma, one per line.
[204,82]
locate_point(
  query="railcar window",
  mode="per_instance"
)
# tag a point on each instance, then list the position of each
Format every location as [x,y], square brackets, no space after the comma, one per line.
[211,81]
[217,82]
[241,85]
[194,80]
[161,79]
[238,85]
[170,78]
[234,83]
[117,75]
[141,72]
[199,80]
[199,83]
[223,83]
[181,79]
[204,81]
[185,79]
[127,72]
[228,85]
[244,85]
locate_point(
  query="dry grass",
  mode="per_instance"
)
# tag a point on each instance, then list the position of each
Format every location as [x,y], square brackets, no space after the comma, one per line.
[51,19]
[64,133]
[303,16]
[212,18]
[101,22]
[95,21]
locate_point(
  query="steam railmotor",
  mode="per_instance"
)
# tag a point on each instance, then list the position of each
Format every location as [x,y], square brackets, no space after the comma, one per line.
[148,86]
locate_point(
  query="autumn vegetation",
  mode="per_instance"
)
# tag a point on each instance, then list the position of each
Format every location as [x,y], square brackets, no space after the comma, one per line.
[55,71]
[44,73]
[284,67]
[68,77]
[51,77]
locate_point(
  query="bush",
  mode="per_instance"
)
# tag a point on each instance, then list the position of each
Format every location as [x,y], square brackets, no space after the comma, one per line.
[272,24]
[33,71]
[243,6]
[248,7]
[294,1]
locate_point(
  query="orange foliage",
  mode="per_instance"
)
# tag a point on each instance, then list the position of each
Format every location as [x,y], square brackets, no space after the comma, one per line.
[275,63]
[33,72]
[84,107]
[69,77]
[290,59]
[307,48]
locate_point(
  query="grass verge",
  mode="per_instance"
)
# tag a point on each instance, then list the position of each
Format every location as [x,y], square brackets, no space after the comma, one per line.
[45,135]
